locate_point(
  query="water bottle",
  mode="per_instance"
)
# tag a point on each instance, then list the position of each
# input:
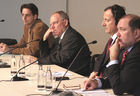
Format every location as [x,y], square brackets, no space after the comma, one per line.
[13,66]
[41,79]
[22,64]
[48,80]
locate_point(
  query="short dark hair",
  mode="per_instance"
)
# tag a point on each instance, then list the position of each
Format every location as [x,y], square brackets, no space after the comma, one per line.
[134,23]
[63,15]
[30,6]
[117,11]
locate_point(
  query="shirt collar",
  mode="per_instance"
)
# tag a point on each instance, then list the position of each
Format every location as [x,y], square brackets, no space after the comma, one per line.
[63,33]
[114,38]
[129,49]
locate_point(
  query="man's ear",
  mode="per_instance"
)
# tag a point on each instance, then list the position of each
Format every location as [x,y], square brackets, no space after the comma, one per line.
[137,33]
[66,22]
[35,16]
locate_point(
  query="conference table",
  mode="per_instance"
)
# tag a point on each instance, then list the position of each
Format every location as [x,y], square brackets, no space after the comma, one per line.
[29,88]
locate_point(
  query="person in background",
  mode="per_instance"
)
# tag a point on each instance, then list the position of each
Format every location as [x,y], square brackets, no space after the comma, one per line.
[34,29]
[112,14]
[66,46]
[124,66]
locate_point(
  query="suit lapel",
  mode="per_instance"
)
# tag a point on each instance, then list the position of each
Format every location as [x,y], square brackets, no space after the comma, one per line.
[107,57]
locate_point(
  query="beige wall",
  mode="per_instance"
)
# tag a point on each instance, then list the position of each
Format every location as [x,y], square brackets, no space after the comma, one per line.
[86,16]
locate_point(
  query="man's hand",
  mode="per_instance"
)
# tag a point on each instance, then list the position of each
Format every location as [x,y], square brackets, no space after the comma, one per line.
[4,47]
[46,35]
[93,75]
[90,84]
[115,50]
[30,59]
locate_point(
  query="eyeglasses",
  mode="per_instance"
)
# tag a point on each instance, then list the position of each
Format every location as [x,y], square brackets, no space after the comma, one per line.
[71,87]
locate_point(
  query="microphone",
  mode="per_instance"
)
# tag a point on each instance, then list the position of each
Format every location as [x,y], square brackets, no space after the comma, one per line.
[93,42]
[2,20]
[55,91]
[19,46]
[16,78]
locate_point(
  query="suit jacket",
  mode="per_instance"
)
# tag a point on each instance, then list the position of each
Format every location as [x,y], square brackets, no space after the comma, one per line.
[125,78]
[63,54]
[101,61]
[37,32]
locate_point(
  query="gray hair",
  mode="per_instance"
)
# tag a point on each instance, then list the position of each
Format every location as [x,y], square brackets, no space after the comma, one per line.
[63,15]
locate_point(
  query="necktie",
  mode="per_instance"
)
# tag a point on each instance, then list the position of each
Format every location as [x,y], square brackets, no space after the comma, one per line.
[124,56]
[106,55]
[108,45]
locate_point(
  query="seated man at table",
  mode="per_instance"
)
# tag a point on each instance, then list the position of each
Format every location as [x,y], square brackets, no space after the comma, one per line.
[111,16]
[66,45]
[123,69]
[34,29]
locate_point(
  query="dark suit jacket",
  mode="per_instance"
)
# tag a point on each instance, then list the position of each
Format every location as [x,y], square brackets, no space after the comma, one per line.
[125,78]
[101,61]
[63,54]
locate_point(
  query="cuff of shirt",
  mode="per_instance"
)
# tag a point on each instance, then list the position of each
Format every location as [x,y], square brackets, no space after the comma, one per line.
[99,82]
[36,62]
[113,62]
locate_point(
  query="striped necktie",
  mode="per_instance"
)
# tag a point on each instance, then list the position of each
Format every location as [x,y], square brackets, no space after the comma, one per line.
[124,56]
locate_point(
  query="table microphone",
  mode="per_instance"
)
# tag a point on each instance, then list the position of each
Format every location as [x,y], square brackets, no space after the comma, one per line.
[2,20]
[16,78]
[19,46]
[55,91]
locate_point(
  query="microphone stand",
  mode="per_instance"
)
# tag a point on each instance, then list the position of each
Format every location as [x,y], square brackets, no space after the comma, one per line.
[19,46]
[8,51]
[55,91]
[5,65]
[16,78]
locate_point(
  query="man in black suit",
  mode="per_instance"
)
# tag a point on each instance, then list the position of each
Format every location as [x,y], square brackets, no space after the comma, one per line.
[123,70]
[112,14]
[65,48]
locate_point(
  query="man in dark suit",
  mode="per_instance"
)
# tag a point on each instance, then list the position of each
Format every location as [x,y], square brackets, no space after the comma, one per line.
[66,47]
[123,69]
[112,14]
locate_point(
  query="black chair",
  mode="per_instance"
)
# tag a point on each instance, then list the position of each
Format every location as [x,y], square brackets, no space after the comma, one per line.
[93,60]
[8,41]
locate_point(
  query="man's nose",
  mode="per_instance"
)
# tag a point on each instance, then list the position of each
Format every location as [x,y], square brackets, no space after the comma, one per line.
[24,17]
[118,34]
[103,23]
[52,26]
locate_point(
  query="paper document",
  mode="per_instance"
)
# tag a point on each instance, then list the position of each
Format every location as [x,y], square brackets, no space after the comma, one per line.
[60,74]
[97,92]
